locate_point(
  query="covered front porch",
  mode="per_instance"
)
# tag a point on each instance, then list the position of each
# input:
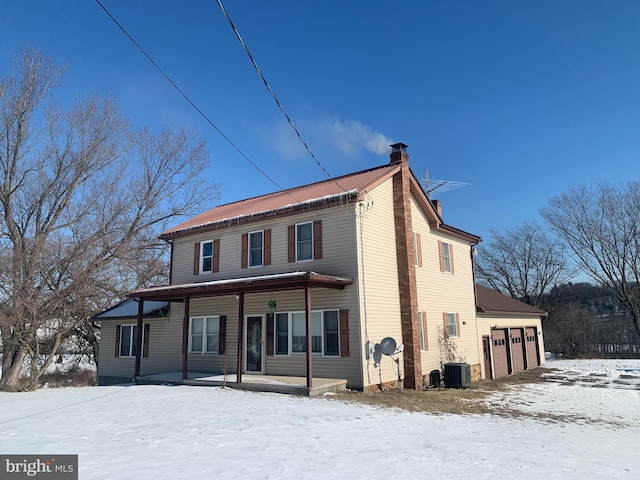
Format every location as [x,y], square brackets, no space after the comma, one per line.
[291,381]
[254,383]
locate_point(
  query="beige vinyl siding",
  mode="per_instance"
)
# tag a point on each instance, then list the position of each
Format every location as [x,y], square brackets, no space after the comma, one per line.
[378,282]
[440,292]
[338,246]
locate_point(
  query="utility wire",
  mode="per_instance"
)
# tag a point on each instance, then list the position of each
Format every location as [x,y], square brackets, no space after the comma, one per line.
[266,84]
[186,97]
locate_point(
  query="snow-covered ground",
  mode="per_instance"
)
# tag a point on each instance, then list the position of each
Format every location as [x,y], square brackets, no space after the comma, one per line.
[587,430]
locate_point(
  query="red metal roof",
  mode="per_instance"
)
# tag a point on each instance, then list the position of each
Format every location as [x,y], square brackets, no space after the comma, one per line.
[341,187]
[491,301]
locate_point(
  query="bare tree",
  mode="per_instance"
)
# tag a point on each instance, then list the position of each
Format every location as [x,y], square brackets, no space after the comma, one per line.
[524,263]
[600,225]
[83,196]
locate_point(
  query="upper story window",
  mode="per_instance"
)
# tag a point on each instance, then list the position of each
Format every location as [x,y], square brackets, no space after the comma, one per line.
[305,241]
[206,257]
[417,250]
[255,249]
[446,256]
[422,324]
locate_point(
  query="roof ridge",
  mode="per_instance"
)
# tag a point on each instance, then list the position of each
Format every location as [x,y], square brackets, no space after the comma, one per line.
[298,187]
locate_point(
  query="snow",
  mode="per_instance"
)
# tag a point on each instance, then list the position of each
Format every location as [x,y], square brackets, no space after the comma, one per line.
[587,430]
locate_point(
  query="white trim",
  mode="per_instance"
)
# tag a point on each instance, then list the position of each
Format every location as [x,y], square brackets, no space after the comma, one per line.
[296,240]
[202,257]
[446,258]
[204,350]
[455,323]
[261,232]
[132,339]
[323,331]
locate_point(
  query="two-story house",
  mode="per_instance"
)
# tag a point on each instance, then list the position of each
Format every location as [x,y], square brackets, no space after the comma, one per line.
[306,282]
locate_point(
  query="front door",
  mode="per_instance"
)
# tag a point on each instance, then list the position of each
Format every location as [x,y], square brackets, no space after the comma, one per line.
[254,340]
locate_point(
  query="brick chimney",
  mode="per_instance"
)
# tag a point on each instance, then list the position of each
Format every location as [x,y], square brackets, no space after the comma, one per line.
[407,284]
[399,153]
[438,206]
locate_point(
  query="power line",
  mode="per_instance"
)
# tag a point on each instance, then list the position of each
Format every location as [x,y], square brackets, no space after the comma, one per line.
[186,97]
[275,98]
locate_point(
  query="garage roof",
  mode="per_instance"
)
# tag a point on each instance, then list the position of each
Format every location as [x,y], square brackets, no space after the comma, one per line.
[491,301]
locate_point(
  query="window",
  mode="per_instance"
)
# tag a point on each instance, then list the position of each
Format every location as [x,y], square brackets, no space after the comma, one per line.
[255,249]
[304,241]
[290,333]
[206,257]
[422,323]
[446,257]
[417,250]
[451,324]
[204,335]
[128,340]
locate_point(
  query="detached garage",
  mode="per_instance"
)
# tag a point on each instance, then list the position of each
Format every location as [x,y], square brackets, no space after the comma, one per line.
[511,333]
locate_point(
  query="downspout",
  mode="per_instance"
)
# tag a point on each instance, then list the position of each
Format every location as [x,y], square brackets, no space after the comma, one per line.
[473,252]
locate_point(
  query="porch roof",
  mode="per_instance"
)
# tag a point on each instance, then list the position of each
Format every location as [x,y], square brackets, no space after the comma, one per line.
[262,283]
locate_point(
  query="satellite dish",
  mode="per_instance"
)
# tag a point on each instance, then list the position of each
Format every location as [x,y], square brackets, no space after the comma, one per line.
[388,346]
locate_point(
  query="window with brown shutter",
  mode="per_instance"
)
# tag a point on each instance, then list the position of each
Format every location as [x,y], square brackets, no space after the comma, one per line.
[267,247]
[291,243]
[216,255]
[196,258]
[317,239]
[423,328]
[222,334]
[270,325]
[245,251]
[344,333]
[445,252]
[118,328]
[145,340]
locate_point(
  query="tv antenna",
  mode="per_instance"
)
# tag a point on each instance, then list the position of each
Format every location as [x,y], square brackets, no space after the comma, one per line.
[434,187]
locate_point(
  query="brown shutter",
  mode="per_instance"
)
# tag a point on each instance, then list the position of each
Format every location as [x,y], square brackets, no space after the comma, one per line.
[245,250]
[418,249]
[145,339]
[446,324]
[222,334]
[196,259]
[451,256]
[458,324]
[291,243]
[440,255]
[344,333]
[424,331]
[317,239]
[270,329]
[267,247]
[118,340]
[215,265]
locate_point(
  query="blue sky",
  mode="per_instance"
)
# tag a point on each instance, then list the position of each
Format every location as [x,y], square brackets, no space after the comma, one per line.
[520,99]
